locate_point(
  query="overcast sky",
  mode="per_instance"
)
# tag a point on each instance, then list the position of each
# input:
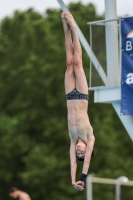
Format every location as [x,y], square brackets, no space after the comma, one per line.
[8,6]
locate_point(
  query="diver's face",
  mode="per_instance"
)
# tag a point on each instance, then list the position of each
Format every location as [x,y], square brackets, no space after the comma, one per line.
[80,149]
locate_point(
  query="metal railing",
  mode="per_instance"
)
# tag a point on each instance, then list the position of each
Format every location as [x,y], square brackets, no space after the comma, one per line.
[122,180]
[105,44]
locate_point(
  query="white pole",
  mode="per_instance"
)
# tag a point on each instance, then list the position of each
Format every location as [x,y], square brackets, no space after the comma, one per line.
[89,187]
[111,43]
[127,120]
[121,179]
[117,190]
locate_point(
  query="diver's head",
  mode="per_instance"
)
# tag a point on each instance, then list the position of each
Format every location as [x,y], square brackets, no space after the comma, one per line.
[80,150]
[14,192]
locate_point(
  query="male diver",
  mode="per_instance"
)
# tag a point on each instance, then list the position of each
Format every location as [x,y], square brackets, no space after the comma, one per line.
[76,88]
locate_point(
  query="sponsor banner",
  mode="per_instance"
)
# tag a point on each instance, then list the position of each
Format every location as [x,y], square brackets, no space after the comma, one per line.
[127,66]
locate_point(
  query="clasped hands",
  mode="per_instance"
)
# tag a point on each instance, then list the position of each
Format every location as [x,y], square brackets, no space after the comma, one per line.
[79,185]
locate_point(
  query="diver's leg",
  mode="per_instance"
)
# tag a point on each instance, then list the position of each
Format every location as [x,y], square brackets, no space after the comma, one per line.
[69,75]
[81,82]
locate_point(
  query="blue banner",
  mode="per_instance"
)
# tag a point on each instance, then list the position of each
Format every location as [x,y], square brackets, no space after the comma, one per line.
[127,66]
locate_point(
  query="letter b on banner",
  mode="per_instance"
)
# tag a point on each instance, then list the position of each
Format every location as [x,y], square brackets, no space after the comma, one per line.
[128,46]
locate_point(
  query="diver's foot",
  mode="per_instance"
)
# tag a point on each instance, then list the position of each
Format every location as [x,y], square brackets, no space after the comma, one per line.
[70,20]
[64,22]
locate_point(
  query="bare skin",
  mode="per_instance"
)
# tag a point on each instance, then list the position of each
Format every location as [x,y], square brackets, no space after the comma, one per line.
[80,129]
[20,194]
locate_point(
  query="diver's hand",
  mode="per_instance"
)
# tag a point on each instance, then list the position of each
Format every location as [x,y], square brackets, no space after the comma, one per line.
[79,185]
[74,183]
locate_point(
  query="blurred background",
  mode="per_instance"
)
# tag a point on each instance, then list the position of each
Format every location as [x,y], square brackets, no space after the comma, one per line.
[34,139]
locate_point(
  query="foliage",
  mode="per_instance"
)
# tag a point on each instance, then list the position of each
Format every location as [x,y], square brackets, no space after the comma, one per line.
[34,139]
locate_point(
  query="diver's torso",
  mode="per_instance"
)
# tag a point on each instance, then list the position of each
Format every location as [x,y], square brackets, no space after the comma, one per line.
[78,121]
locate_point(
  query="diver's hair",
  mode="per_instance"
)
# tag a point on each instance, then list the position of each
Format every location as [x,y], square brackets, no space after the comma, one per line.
[13,189]
[93,154]
[82,158]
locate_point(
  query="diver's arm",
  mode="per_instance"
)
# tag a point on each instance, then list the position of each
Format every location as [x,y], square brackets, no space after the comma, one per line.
[88,154]
[80,183]
[73,161]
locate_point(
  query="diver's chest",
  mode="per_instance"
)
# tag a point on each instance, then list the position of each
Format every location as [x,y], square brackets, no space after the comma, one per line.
[77,132]
[78,127]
